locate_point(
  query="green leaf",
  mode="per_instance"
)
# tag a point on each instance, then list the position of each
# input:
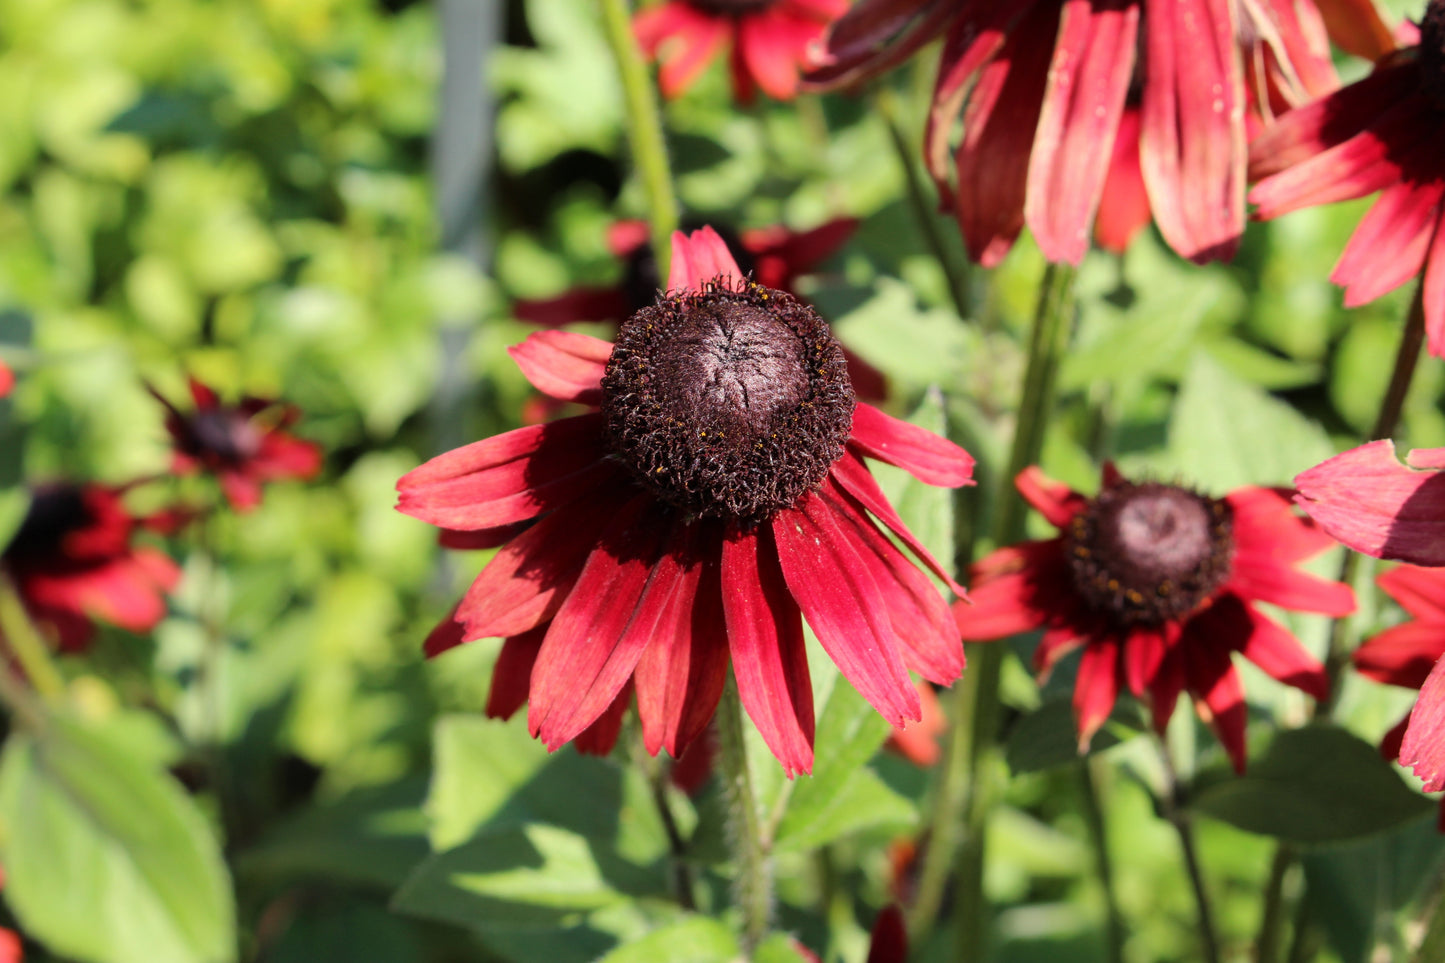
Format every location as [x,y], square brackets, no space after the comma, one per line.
[1048,737]
[779,948]
[106,858]
[1315,785]
[694,939]
[14,503]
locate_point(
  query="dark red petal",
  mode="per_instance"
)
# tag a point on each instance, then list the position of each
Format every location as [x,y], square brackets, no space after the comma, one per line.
[1272,648]
[1164,690]
[857,46]
[1390,244]
[1420,591]
[1266,526]
[1278,584]
[1192,149]
[1124,204]
[1368,500]
[834,585]
[563,364]
[921,453]
[1218,694]
[1402,655]
[508,478]
[1055,501]
[449,633]
[1423,749]
[1054,646]
[203,394]
[1390,741]
[480,539]
[512,675]
[699,258]
[889,943]
[765,636]
[599,738]
[796,253]
[589,653]
[1013,589]
[1087,83]
[1433,293]
[1097,687]
[1144,651]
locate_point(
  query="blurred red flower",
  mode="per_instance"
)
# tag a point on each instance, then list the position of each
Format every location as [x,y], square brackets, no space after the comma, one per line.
[1042,88]
[1369,501]
[7,379]
[1156,583]
[244,445]
[1382,133]
[718,496]
[72,561]
[769,38]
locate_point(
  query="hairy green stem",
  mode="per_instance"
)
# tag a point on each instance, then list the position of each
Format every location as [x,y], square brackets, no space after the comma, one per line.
[751,846]
[26,644]
[644,130]
[1103,861]
[1177,812]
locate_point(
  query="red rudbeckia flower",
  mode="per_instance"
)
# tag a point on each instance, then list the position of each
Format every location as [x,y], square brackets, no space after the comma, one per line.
[1156,584]
[72,561]
[1042,85]
[718,496]
[1384,133]
[1369,501]
[7,379]
[244,445]
[769,38]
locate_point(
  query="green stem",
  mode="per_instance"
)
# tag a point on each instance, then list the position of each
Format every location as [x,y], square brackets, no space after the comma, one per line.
[1104,862]
[754,885]
[644,130]
[1432,946]
[1177,813]
[657,779]
[1270,940]
[26,644]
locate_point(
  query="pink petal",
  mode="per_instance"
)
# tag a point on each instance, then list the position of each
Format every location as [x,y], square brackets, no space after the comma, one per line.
[1424,747]
[1124,204]
[699,259]
[1269,646]
[590,649]
[564,365]
[1433,292]
[1266,526]
[685,40]
[765,636]
[772,45]
[1372,503]
[1390,244]
[921,453]
[510,477]
[512,674]
[834,585]
[1402,655]
[1097,687]
[1420,591]
[1055,501]
[1087,82]
[857,46]
[1278,584]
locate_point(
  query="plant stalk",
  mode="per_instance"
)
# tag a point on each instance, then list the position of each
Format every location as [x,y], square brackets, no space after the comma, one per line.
[1177,813]
[753,849]
[26,644]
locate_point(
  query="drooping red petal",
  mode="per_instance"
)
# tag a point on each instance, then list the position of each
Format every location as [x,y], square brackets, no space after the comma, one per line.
[449,633]
[835,587]
[929,458]
[765,637]
[1218,693]
[578,304]
[1272,648]
[1390,741]
[510,477]
[599,738]
[1266,526]
[1420,591]
[1055,501]
[482,538]
[1164,690]
[589,651]
[889,942]
[773,44]
[1423,749]
[1097,687]
[1390,244]
[1433,292]
[563,364]
[1278,584]
[512,675]
[1144,650]
[1124,204]
[1365,498]
[783,255]
[1054,646]
[1192,148]
[700,258]
[1403,654]
[858,45]
[1087,82]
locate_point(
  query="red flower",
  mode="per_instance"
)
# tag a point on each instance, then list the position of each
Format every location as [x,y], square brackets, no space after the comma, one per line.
[7,379]
[1366,499]
[72,561]
[243,445]
[1042,86]
[1383,133]
[1156,583]
[770,41]
[718,495]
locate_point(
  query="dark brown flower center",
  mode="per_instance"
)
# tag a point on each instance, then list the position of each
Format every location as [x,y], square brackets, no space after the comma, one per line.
[728,403]
[1432,53]
[735,8]
[221,433]
[55,511]
[1147,553]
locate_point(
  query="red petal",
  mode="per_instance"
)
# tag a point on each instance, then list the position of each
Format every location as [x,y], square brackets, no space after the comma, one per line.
[1124,204]
[1390,244]
[1402,655]
[889,943]
[1420,591]
[563,364]
[599,738]
[772,45]
[1097,687]
[589,651]
[1266,526]
[1055,501]
[1219,696]
[1424,747]
[509,478]
[1267,581]
[1269,646]
[1390,741]
[685,39]
[765,635]
[1433,292]
[1087,82]
[202,394]
[1144,651]
[921,453]
[512,675]
[482,538]
[835,587]
[449,633]
[1012,589]
[795,254]
[579,304]
[1054,646]
[1164,690]
[700,259]
[857,45]
[1372,503]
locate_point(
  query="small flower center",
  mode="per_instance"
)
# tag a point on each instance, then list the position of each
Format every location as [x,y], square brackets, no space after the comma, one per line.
[1147,553]
[728,403]
[223,434]
[55,511]
[1432,53]
[731,8]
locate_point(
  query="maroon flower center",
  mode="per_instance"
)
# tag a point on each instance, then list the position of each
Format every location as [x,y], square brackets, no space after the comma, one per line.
[55,511]
[222,433]
[1432,53]
[1147,553]
[733,8]
[728,403]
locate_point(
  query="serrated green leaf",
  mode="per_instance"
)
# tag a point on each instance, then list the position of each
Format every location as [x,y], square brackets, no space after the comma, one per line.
[106,859]
[1314,785]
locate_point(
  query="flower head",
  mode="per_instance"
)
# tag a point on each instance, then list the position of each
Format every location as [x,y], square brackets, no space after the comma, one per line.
[7,379]
[72,562]
[1156,584]
[244,445]
[769,39]
[1369,501]
[1384,133]
[1042,87]
[717,497]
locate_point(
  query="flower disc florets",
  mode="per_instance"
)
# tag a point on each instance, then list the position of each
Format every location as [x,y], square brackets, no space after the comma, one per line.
[1147,553]
[1432,53]
[730,402]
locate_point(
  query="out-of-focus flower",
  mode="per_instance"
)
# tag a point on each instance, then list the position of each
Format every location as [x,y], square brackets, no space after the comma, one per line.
[1042,88]
[1384,133]
[7,379]
[774,257]
[1369,501]
[919,743]
[718,497]
[244,445]
[769,41]
[73,562]
[887,944]
[1157,584]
